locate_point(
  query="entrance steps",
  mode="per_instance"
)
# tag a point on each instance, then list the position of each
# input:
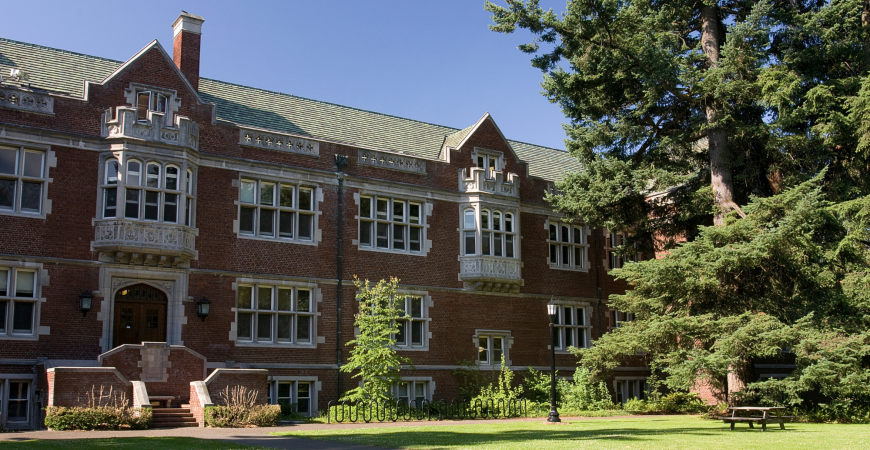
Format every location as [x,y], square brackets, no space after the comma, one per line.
[173,418]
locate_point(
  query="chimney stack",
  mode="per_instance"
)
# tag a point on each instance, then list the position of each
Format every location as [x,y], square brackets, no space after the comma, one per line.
[186,35]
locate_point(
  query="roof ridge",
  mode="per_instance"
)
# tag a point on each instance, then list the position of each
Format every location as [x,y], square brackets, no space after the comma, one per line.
[454,129]
[59,50]
[539,146]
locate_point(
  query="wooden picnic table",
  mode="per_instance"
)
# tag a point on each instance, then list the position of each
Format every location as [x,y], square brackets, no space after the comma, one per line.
[750,415]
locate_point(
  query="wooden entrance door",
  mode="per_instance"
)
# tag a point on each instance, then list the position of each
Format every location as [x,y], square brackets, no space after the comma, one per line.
[140,315]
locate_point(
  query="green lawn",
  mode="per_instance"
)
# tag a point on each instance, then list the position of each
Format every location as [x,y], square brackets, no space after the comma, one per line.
[652,432]
[138,443]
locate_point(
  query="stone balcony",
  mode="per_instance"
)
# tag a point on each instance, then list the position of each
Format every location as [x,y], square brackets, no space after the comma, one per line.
[145,243]
[475,180]
[122,124]
[491,274]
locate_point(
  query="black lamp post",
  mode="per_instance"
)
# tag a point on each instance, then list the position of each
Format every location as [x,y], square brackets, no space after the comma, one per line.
[554,414]
[203,306]
[86,300]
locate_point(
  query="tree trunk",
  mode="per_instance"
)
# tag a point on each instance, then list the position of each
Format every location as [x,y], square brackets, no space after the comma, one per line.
[717,137]
[865,23]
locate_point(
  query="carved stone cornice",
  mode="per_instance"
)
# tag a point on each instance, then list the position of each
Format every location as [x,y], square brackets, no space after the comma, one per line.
[124,125]
[491,274]
[391,161]
[144,243]
[26,100]
[499,184]
[279,142]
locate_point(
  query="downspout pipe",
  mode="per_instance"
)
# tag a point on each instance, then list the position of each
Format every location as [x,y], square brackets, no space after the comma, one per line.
[340,164]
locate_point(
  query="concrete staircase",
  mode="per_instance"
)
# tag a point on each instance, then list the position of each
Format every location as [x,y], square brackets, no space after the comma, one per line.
[173,417]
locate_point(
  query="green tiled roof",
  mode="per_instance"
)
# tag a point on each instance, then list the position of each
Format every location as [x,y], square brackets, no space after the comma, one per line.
[63,71]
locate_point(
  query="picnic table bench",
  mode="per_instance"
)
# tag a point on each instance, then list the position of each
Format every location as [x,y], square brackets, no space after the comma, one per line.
[768,414]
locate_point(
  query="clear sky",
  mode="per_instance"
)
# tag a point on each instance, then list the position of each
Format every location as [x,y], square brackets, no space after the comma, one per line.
[433,61]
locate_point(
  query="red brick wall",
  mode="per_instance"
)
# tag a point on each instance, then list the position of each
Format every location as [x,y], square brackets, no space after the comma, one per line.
[251,379]
[76,386]
[184,367]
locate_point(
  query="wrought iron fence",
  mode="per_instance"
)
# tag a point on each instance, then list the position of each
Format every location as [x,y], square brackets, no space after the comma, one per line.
[394,410]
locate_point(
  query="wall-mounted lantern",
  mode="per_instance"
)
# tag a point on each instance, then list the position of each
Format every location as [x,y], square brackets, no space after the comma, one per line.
[203,306]
[86,300]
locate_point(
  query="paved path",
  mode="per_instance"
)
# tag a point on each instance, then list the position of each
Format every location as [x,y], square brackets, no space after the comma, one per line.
[261,436]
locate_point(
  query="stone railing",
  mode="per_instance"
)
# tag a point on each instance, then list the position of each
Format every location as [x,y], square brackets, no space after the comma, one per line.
[487,273]
[500,183]
[145,243]
[26,100]
[122,124]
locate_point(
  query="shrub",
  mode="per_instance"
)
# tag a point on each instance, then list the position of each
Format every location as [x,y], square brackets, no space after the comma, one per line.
[636,405]
[240,410]
[586,395]
[502,388]
[680,402]
[97,418]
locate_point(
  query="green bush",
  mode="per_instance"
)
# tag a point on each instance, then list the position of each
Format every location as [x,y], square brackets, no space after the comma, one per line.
[235,417]
[636,405]
[585,394]
[679,402]
[97,418]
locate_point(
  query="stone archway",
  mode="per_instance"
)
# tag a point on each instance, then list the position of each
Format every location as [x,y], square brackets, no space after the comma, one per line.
[140,315]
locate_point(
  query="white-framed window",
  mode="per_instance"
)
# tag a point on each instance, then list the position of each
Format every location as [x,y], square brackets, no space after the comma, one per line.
[568,246]
[22,179]
[630,388]
[413,331]
[268,314]
[572,327]
[276,210]
[150,101]
[614,259]
[491,346]
[19,301]
[412,392]
[153,191]
[295,394]
[394,224]
[490,162]
[620,318]
[495,229]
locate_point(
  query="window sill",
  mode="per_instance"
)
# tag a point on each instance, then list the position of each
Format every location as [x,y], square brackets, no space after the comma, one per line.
[392,252]
[277,240]
[29,215]
[569,269]
[274,345]
[19,337]
[411,349]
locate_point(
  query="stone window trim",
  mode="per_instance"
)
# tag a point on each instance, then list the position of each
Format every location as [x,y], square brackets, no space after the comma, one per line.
[627,388]
[583,246]
[612,260]
[426,320]
[478,232]
[411,383]
[425,214]
[173,101]
[49,161]
[507,343]
[10,268]
[582,332]
[185,182]
[492,160]
[294,380]
[316,299]
[316,200]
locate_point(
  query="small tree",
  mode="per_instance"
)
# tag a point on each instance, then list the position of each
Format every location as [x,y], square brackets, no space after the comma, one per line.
[373,357]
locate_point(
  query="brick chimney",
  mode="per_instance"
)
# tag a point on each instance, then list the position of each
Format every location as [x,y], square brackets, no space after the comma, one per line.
[186,34]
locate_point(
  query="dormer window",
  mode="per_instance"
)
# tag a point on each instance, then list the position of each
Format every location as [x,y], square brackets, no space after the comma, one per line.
[150,101]
[490,163]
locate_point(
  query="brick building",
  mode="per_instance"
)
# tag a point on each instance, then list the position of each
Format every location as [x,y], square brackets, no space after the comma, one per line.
[154,189]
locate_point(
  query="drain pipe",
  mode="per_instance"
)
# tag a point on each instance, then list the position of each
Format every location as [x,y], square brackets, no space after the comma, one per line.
[340,163]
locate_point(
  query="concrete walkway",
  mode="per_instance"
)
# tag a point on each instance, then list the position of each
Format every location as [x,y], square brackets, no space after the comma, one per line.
[261,436]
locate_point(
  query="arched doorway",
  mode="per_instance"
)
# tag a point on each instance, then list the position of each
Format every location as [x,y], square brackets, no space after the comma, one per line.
[140,315]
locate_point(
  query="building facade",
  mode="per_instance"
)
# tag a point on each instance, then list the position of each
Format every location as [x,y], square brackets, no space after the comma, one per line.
[159,192]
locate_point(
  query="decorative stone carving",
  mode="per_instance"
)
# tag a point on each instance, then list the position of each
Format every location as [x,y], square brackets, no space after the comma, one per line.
[487,273]
[391,161]
[144,243]
[122,124]
[507,184]
[26,100]
[165,286]
[279,142]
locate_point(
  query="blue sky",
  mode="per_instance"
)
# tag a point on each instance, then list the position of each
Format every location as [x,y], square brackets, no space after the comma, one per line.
[434,61]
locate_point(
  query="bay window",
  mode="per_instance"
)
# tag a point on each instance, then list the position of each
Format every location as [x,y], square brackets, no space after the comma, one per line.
[495,229]
[153,191]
